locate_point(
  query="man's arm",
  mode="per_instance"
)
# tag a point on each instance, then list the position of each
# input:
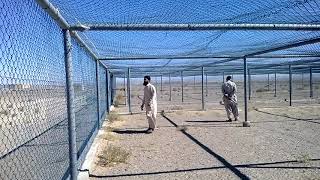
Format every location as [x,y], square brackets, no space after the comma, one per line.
[152,90]
[142,105]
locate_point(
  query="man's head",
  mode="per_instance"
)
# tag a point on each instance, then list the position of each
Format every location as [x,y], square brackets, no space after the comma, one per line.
[228,78]
[146,80]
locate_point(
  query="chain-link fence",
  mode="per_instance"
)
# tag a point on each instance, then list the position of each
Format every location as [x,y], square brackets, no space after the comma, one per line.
[33,102]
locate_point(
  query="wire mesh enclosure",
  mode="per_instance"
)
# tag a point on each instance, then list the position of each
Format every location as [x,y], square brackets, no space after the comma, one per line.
[64,62]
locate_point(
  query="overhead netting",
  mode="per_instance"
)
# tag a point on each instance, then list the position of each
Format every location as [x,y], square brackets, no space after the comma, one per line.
[141,44]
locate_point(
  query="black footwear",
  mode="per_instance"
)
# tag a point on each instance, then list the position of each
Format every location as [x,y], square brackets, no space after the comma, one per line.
[229,120]
[236,119]
[149,130]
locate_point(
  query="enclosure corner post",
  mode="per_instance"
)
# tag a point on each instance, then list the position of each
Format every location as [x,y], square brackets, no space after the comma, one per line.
[73,164]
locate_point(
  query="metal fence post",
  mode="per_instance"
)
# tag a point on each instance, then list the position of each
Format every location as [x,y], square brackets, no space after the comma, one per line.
[182,86]
[70,106]
[98,90]
[194,81]
[161,83]
[107,90]
[129,90]
[249,83]
[246,123]
[125,89]
[223,77]
[202,89]
[311,83]
[206,84]
[302,80]
[275,83]
[268,82]
[290,85]
[170,87]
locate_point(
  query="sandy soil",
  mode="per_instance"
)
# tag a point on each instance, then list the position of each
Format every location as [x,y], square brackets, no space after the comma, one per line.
[282,142]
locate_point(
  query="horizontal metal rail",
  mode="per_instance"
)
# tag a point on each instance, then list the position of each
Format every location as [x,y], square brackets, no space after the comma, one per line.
[194,27]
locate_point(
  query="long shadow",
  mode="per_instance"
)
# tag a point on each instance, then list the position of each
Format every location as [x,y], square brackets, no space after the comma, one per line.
[289,117]
[255,165]
[129,131]
[224,122]
[208,150]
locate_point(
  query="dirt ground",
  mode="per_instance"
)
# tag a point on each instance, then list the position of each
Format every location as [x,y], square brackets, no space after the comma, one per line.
[282,142]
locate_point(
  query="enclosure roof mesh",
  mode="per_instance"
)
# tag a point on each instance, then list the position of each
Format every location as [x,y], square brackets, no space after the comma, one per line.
[139,44]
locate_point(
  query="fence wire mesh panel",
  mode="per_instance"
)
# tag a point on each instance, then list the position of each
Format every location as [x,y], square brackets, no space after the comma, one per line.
[85,87]
[33,123]
[113,41]
[102,91]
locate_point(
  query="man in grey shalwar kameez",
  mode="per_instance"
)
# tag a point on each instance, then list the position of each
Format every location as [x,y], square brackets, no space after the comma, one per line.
[150,102]
[229,89]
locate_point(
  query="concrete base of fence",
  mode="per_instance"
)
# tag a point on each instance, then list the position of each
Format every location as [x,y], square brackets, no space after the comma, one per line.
[246,124]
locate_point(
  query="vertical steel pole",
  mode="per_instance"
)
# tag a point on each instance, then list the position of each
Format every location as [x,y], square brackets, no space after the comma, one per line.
[275,83]
[223,77]
[290,85]
[125,89]
[249,83]
[70,105]
[129,90]
[161,83]
[246,123]
[202,89]
[311,83]
[170,87]
[268,82]
[206,84]
[302,79]
[182,86]
[107,91]
[194,81]
[98,91]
